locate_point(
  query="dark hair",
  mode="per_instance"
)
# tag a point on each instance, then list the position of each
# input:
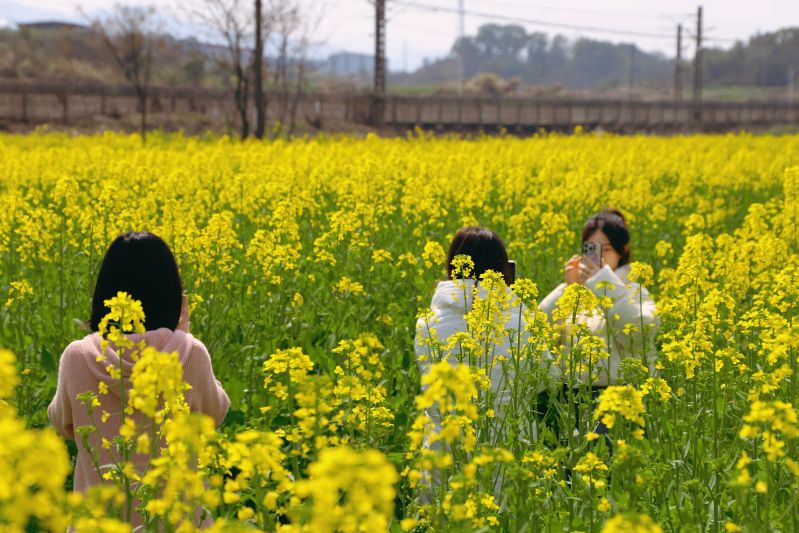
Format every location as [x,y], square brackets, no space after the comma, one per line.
[484,247]
[141,264]
[611,222]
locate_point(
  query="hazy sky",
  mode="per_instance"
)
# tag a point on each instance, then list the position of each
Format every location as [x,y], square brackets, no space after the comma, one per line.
[427,28]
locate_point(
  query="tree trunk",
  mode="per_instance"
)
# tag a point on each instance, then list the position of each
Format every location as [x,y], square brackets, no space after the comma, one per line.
[297,96]
[241,101]
[143,115]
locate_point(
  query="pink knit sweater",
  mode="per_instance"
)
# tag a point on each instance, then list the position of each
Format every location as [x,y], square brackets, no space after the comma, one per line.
[79,371]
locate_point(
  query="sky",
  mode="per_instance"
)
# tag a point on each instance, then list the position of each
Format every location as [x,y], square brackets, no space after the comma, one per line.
[420,29]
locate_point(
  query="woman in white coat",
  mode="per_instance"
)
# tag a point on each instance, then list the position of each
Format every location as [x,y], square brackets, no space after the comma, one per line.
[632,307]
[491,345]
[453,299]
[450,305]
[629,325]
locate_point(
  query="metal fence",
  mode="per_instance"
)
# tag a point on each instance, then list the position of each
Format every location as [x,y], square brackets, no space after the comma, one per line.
[515,113]
[67,104]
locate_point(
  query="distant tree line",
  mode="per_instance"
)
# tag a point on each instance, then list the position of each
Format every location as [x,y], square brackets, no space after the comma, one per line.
[510,51]
[132,47]
[765,60]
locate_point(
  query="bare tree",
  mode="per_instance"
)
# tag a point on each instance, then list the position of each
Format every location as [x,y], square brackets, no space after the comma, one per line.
[130,33]
[282,26]
[293,25]
[230,20]
[300,53]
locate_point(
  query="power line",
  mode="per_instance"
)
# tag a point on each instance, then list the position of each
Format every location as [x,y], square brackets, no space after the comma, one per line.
[461,35]
[536,22]
[574,27]
[427,30]
[430,32]
[625,14]
[721,39]
[673,17]
[392,12]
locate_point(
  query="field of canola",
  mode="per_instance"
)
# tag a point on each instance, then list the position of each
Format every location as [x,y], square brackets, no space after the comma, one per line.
[306,264]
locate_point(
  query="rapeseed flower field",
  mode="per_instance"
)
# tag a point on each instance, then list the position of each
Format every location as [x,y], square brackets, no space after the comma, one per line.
[307,265]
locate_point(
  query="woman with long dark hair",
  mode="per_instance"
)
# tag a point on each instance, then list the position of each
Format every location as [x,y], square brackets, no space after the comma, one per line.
[142,265]
[454,298]
[628,326]
[632,307]
[487,252]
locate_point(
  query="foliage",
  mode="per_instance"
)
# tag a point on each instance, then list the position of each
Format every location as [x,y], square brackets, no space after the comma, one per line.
[306,265]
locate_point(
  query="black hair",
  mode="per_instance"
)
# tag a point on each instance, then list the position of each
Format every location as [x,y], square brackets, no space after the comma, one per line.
[484,247]
[611,222]
[141,264]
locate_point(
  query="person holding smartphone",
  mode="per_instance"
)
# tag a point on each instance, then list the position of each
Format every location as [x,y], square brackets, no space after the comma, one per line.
[142,265]
[630,324]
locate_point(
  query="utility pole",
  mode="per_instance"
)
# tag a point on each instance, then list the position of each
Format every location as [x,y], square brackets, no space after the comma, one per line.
[258,67]
[698,68]
[380,47]
[678,66]
[378,97]
[461,32]
[791,78]
[632,68]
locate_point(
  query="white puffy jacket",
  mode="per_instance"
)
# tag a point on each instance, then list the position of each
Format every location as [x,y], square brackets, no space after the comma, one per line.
[632,304]
[449,308]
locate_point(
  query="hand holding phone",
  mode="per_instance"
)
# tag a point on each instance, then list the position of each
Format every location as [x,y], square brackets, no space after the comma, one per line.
[592,251]
[572,270]
[511,272]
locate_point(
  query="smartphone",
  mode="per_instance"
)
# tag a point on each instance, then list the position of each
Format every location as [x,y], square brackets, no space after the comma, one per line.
[512,272]
[593,251]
